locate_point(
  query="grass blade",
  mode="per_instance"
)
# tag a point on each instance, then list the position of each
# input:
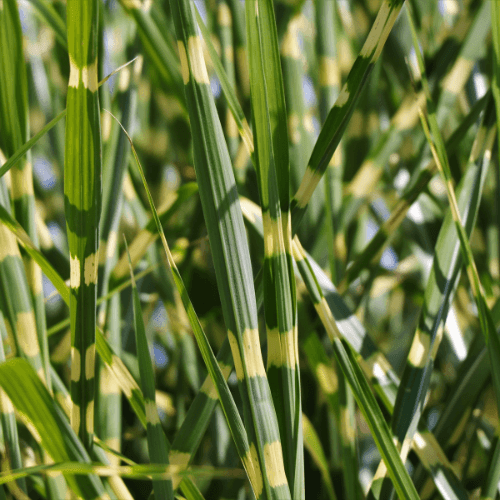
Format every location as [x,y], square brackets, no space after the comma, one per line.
[82,190]
[227,240]
[157,442]
[273,174]
[339,116]
[47,423]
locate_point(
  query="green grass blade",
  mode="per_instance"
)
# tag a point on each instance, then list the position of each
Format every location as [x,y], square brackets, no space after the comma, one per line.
[17,303]
[157,44]
[14,123]
[406,118]
[339,116]
[8,419]
[329,81]
[373,251]
[82,190]
[218,372]
[240,47]
[157,442]
[332,311]
[19,153]
[313,445]
[47,423]
[224,28]
[424,345]
[137,471]
[232,101]
[227,240]
[272,165]
[29,144]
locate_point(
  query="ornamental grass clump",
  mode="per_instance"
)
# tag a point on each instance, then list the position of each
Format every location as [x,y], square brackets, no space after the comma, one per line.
[232,237]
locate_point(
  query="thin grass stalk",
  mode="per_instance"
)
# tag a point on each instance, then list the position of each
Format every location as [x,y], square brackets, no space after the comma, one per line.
[115,162]
[134,471]
[53,253]
[227,240]
[240,48]
[348,433]
[82,190]
[312,443]
[216,386]
[225,32]
[329,87]
[157,441]
[495,85]
[157,44]
[148,234]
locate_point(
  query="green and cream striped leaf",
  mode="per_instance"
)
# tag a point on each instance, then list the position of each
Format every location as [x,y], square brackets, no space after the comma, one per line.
[231,260]
[216,385]
[335,314]
[406,118]
[272,165]
[16,301]
[115,365]
[485,319]
[47,423]
[373,251]
[82,191]
[14,123]
[377,368]
[416,376]
[237,114]
[8,421]
[370,409]
[338,118]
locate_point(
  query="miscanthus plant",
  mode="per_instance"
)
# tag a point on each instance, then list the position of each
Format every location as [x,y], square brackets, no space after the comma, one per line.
[249,250]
